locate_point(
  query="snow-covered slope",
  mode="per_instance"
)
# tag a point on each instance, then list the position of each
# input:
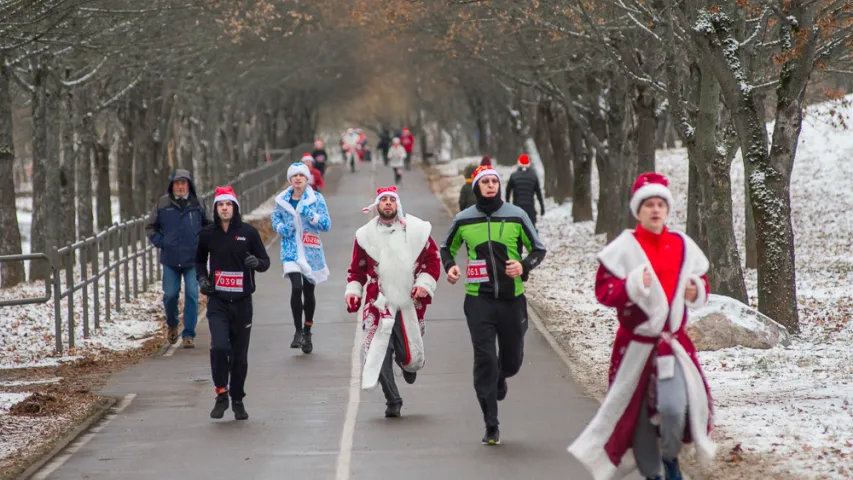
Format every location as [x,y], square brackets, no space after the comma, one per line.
[791,403]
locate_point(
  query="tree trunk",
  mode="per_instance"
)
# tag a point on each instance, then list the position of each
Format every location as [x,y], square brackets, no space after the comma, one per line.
[43,234]
[126,206]
[557,131]
[67,170]
[750,244]
[85,214]
[645,105]
[11,273]
[582,163]
[543,144]
[695,210]
[616,171]
[102,170]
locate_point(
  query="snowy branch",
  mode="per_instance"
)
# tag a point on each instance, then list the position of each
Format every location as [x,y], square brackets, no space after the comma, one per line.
[84,78]
[121,93]
[20,81]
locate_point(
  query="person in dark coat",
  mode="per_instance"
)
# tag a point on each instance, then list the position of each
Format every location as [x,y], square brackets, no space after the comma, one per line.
[466,193]
[173,227]
[522,186]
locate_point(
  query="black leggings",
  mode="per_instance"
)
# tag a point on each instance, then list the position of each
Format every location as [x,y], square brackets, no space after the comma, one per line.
[302,287]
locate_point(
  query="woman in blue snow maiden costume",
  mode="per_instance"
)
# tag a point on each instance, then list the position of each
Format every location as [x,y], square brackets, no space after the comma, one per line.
[299,216]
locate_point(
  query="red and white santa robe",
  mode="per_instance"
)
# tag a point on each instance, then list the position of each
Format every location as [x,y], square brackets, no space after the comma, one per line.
[384,270]
[645,349]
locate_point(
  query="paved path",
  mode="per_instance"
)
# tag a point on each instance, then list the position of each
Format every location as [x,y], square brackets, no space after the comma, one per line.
[302,406]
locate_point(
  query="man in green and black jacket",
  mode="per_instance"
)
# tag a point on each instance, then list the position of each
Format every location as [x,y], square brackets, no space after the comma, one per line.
[495,233]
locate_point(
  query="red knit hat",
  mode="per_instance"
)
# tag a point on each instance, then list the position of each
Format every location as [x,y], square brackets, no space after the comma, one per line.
[650,185]
[524,160]
[486,160]
[482,171]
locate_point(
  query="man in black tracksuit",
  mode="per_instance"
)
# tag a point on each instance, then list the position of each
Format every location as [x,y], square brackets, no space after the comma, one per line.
[522,186]
[235,250]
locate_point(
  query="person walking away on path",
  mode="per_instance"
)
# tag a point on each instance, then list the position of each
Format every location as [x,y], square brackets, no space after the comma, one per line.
[408,142]
[299,215]
[650,275]
[466,193]
[319,155]
[173,227]
[235,252]
[495,306]
[395,268]
[396,159]
[522,186]
[316,180]
[384,145]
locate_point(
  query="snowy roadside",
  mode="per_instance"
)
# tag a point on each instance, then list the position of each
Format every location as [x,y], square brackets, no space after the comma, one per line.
[44,396]
[780,413]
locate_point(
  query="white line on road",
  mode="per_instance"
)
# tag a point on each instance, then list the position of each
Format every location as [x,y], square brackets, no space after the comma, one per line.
[342,471]
[83,440]
[175,346]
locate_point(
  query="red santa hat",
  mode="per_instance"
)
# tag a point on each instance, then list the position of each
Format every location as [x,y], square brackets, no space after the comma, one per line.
[524,160]
[385,192]
[224,194]
[307,159]
[650,185]
[482,171]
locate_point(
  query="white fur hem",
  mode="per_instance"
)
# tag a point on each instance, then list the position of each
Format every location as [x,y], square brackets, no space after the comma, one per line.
[428,283]
[701,295]
[380,303]
[595,460]
[354,288]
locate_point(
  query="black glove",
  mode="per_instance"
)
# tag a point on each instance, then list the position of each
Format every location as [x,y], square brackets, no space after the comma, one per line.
[251,261]
[206,286]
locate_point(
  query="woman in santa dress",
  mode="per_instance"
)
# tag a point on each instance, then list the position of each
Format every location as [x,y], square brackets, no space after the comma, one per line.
[658,397]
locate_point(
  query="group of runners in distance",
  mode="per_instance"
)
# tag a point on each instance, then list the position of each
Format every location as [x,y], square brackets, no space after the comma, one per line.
[650,275]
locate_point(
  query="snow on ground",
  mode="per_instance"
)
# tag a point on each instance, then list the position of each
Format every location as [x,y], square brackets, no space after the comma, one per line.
[8,400]
[792,403]
[27,333]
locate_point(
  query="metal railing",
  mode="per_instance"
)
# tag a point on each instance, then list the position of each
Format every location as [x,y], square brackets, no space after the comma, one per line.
[121,261]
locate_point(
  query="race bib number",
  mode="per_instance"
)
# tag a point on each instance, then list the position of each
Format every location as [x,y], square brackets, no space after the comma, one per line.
[476,272]
[228,281]
[310,240]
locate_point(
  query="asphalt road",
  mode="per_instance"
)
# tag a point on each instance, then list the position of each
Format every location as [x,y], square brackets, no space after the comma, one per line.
[307,421]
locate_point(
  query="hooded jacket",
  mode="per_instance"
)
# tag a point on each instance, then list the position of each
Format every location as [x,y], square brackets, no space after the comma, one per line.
[227,252]
[466,193]
[173,225]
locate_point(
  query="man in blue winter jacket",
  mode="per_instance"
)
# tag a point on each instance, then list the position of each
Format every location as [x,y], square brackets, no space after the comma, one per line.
[173,227]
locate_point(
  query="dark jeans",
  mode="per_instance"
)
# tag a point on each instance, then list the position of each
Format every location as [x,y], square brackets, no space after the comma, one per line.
[506,321]
[172,291]
[301,300]
[396,350]
[230,328]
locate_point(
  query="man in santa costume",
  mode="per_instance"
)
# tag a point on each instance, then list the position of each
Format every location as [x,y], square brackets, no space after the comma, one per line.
[394,271]
[658,397]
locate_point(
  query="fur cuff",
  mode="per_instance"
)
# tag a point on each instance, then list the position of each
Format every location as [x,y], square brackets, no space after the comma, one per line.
[701,295]
[354,288]
[634,284]
[426,281]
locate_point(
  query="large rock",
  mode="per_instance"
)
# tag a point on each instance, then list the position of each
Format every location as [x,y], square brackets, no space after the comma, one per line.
[725,322]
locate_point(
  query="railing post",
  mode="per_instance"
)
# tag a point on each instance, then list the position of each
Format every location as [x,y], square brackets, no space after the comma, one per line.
[84,278]
[145,256]
[96,272]
[107,309]
[117,256]
[125,244]
[69,285]
[57,300]
[135,230]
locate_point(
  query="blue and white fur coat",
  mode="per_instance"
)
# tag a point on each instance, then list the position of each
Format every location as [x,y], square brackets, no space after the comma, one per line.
[310,217]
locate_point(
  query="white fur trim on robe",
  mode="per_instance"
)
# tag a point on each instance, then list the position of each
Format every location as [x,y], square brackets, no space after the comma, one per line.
[625,259]
[701,293]
[428,283]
